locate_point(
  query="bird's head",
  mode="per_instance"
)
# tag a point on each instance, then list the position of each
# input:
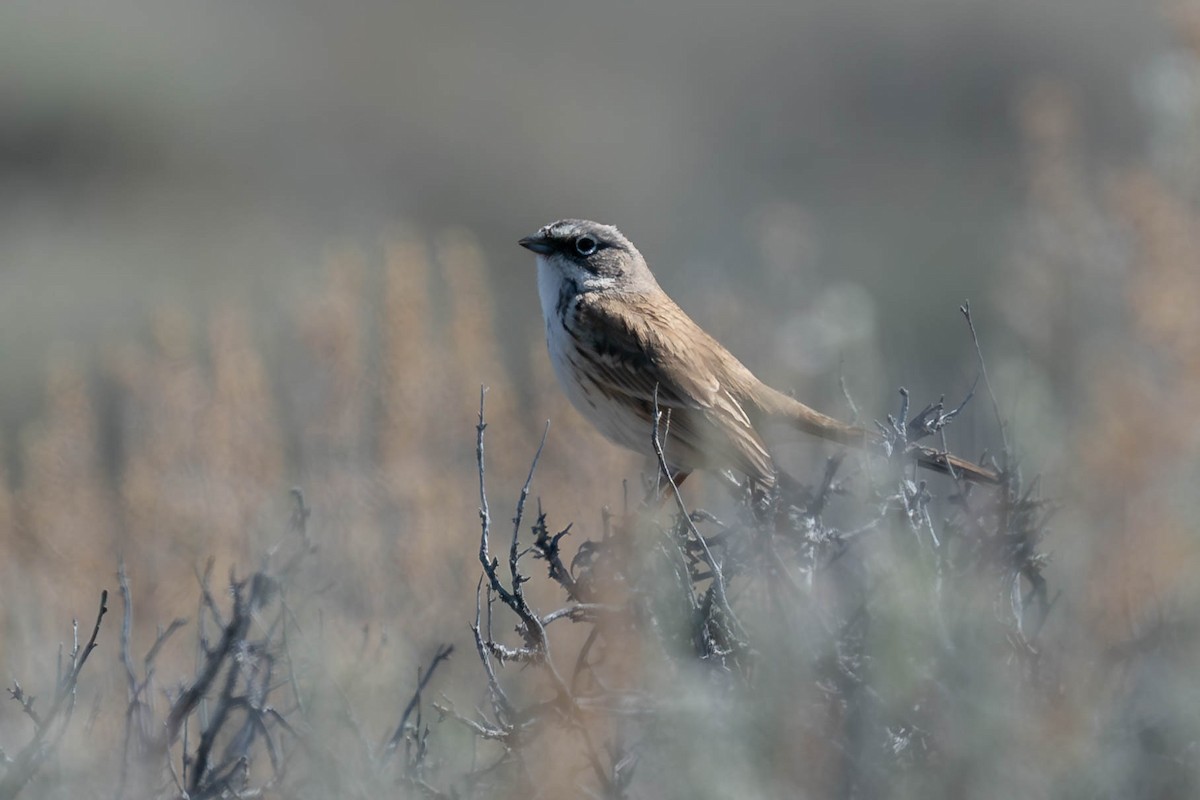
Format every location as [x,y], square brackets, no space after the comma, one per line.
[589,255]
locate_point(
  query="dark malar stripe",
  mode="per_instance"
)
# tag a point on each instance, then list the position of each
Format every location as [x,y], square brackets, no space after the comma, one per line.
[568,291]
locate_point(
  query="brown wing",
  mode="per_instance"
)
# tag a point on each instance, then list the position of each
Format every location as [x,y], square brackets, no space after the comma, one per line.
[697,380]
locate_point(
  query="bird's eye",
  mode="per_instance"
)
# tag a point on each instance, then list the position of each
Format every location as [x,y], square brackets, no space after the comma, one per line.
[585,245]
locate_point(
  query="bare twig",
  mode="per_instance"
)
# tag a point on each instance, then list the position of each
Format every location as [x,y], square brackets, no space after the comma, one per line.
[514,598]
[718,579]
[443,653]
[26,763]
[965,308]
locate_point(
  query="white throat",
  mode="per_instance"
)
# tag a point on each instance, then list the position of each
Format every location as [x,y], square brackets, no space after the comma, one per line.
[553,275]
[560,282]
[549,280]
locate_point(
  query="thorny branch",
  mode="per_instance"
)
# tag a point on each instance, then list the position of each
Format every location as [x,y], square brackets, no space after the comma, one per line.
[537,646]
[718,579]
[758,555]
[49,728]
[704,589]
[965,308]
[423,678]
[514,598]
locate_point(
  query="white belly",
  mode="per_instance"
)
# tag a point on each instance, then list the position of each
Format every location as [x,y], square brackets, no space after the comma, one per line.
[617,421]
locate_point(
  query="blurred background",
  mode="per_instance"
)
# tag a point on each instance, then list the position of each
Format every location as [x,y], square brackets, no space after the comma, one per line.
[250,246]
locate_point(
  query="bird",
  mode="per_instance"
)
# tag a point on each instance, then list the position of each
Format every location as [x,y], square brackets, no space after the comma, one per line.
[623,350]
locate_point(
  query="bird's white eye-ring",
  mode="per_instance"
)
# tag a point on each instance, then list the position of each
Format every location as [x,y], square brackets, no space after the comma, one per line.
[585,245]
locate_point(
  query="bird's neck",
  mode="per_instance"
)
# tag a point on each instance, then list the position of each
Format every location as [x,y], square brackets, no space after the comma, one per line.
[554,289]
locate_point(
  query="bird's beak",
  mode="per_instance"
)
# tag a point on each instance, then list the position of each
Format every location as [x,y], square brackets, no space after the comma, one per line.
[537,244]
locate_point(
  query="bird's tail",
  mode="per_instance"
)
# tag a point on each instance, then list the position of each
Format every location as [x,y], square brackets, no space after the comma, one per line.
[951,464]
[817,424]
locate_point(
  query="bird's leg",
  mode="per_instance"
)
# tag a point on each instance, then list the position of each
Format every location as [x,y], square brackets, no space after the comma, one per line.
[660,492]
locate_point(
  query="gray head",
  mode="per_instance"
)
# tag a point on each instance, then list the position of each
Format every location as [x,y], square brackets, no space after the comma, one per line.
[590,255]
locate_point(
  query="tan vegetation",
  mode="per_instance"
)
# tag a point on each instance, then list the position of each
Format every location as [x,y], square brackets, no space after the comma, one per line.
[179,448]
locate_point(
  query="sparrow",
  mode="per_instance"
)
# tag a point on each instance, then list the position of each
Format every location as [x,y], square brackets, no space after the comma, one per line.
[620,346]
